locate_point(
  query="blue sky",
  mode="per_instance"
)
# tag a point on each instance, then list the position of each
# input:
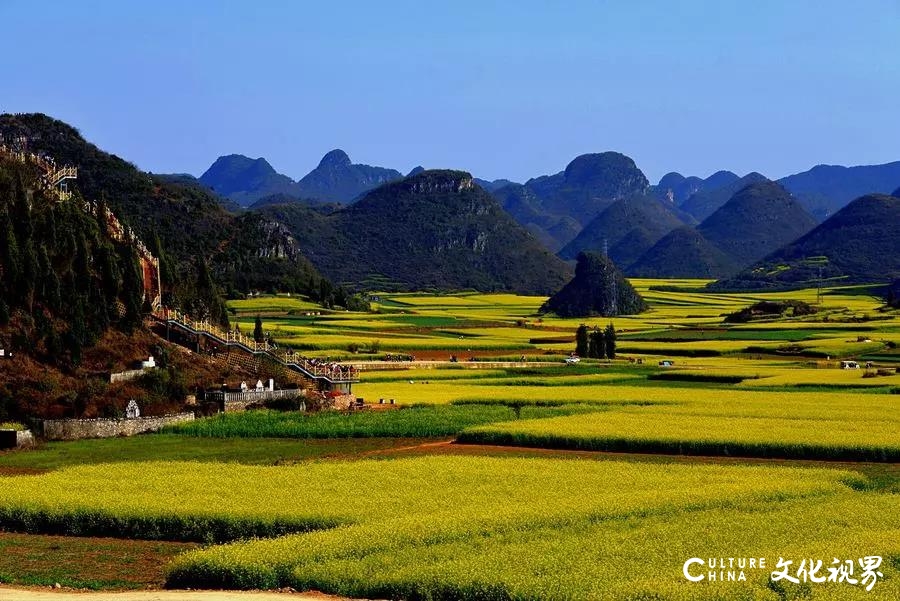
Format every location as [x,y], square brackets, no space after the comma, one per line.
[503,89]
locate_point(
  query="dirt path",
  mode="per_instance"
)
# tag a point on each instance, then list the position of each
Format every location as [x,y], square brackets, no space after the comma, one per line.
[425,446]
[16,594]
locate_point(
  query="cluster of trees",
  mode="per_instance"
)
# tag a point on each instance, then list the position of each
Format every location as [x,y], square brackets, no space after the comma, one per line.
[893,293]
[769,309]
[596,343]
[63,279]
[330,296]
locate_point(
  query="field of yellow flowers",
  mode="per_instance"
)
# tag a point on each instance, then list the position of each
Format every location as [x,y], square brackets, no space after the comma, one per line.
[478,527]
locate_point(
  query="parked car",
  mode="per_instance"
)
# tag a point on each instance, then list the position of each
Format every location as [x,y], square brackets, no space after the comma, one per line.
[666,363]
[572,359]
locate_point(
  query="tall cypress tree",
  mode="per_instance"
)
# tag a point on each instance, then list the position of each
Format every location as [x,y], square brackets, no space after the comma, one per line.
[132,288]
[9,258]
[581,341]
[258,334]
[110,276]
[75,337]
[49,292]
[609,338]
[207,302]
[30,273]
[597,348]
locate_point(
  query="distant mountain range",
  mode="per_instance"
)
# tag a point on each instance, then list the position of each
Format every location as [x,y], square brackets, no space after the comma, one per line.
[822,190]
[556,207]
[756,220]
[373,228]
[626,229]
[436,229]
[335,179]
[683,253]
[709,199]
[677,188]
[826,189]
[683,226]
[858,244]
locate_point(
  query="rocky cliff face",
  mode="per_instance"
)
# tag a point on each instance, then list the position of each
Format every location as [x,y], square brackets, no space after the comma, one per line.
[448,182]
[277,242]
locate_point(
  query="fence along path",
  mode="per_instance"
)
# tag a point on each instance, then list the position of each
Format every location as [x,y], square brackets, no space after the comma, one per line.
[330,373]
[55,179]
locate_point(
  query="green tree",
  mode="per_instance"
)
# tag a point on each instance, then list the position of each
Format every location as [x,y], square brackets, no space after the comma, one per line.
[9,258]
[596,346]
[258,334]
[326,293]
[205,301]
[110,276]
[29,274]
[609,338]
[581,341]
[132,289]
[50,289]
[167,273]
[75,337]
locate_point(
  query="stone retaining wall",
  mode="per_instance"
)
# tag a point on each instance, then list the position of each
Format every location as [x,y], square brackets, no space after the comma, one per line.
[16,439]
[343,401]
[74,429]
[125,376]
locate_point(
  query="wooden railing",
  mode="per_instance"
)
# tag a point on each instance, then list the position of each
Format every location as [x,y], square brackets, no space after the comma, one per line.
[53,175]
[54,178]
[329,372]
[250,396]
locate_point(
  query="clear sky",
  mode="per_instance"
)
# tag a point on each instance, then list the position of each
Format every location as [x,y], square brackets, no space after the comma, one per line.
[503,89]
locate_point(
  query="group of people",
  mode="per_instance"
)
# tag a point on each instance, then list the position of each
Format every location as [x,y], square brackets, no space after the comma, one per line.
[331,369]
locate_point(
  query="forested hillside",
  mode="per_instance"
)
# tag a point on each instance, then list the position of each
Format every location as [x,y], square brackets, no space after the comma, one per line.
[858,244]
[204,251]
[63,279]
[436,229]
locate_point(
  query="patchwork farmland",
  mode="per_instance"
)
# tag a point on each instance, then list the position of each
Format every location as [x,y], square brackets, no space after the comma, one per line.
[507,473]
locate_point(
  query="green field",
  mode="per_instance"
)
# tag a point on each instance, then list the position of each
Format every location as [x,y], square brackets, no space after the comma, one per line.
[590,481]
[677,324]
